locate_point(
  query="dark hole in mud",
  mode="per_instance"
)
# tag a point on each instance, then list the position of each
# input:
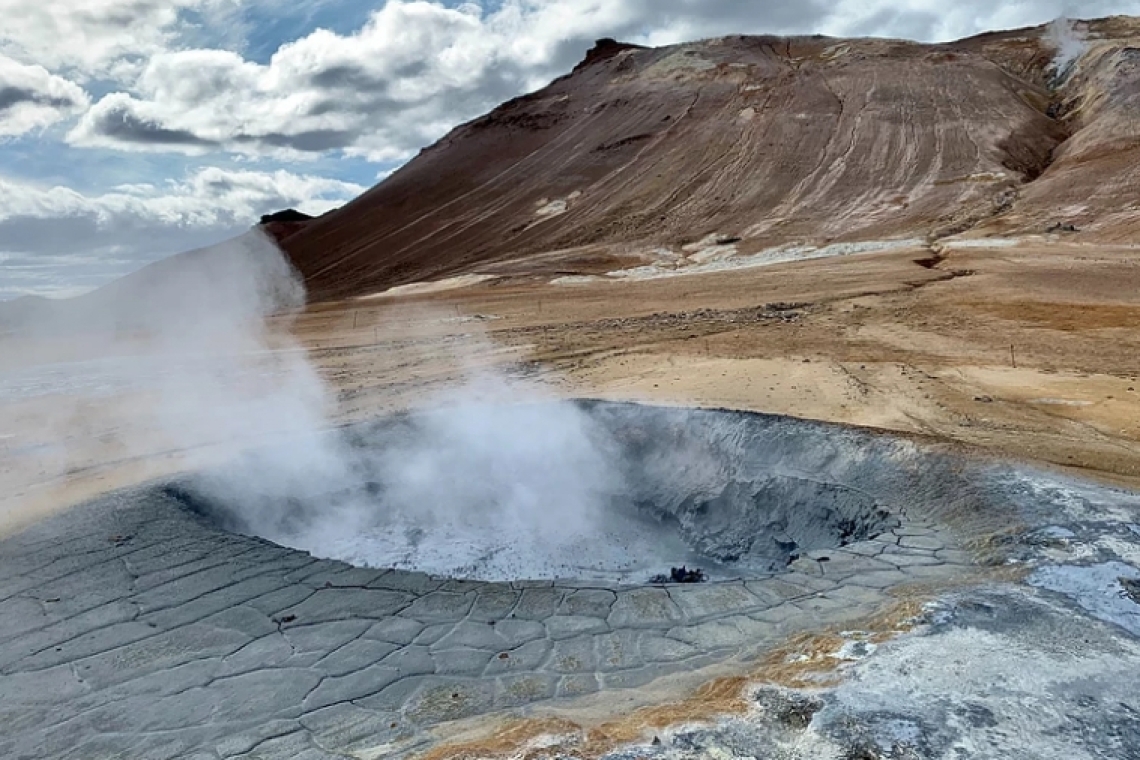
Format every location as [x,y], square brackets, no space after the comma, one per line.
[680,574]
[624,494]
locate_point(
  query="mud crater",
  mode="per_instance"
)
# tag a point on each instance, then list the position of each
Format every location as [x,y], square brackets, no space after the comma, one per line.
[735,494]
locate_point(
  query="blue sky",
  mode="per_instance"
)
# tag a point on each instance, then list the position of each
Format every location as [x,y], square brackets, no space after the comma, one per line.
[134,129]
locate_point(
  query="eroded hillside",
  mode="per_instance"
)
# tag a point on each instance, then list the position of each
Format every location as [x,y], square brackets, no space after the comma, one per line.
[757,142]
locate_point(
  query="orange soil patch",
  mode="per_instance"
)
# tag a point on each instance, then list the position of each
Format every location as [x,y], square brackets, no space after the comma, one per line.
[804,661]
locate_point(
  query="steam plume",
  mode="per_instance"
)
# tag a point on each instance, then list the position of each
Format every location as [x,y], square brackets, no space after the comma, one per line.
[1069,44]
[196,357]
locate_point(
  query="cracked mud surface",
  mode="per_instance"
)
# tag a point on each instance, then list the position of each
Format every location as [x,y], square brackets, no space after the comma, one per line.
[133,627]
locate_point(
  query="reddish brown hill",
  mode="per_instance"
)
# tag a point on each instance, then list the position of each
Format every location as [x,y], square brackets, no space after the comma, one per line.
[1091,179]
[767,139]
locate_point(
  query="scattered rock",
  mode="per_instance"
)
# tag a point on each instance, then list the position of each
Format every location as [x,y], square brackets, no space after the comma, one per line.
[790,709]
[680,575]
[1062,227]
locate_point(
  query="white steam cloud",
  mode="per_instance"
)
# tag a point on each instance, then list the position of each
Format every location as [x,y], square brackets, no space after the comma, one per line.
[195,357]
[183,359]
[1068,42]
[483,485]
[489,478]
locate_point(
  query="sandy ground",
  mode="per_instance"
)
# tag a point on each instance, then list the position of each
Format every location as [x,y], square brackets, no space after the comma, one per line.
[1027,351]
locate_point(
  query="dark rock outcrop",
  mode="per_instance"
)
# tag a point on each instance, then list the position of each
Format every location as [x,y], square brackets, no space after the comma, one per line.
[288,215]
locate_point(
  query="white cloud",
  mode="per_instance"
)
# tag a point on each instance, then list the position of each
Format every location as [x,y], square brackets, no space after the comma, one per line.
[391,87]
[91,37]
[50,236]
[938,21]
[32,98]
[210,197]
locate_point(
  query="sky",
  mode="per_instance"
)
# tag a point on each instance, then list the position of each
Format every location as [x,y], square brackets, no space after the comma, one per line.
[134,129]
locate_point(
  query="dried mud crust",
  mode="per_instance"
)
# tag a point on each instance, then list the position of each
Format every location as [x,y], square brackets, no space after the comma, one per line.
[133,627]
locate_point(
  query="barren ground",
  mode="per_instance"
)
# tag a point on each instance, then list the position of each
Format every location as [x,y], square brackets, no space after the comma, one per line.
[877,340]
[874,339]
[1028,351]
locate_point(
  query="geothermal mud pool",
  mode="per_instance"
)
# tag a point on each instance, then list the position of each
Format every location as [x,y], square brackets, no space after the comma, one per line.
[175,620]
[660,489]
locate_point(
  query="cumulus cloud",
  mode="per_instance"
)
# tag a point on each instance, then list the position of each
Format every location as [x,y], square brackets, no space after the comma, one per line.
[211,197]
[99,38]
[391,87]
[54,239]
[32,98]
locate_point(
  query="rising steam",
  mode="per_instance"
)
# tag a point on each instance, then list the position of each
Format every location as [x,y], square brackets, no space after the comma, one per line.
[195,357]
[1069,45]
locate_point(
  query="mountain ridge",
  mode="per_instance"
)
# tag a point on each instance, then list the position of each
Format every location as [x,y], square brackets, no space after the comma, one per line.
[773,140]
[648,155]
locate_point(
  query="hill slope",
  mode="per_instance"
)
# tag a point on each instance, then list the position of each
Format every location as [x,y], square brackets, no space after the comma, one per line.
[765,139]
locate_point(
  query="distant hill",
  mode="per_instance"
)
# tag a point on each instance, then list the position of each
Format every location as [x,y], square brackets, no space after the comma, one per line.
[767,139]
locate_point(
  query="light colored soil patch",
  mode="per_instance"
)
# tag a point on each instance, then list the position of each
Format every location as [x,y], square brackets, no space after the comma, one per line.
[420,288]
[724,258]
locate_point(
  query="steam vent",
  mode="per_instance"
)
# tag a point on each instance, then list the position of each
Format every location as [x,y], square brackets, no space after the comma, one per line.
[188,635]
